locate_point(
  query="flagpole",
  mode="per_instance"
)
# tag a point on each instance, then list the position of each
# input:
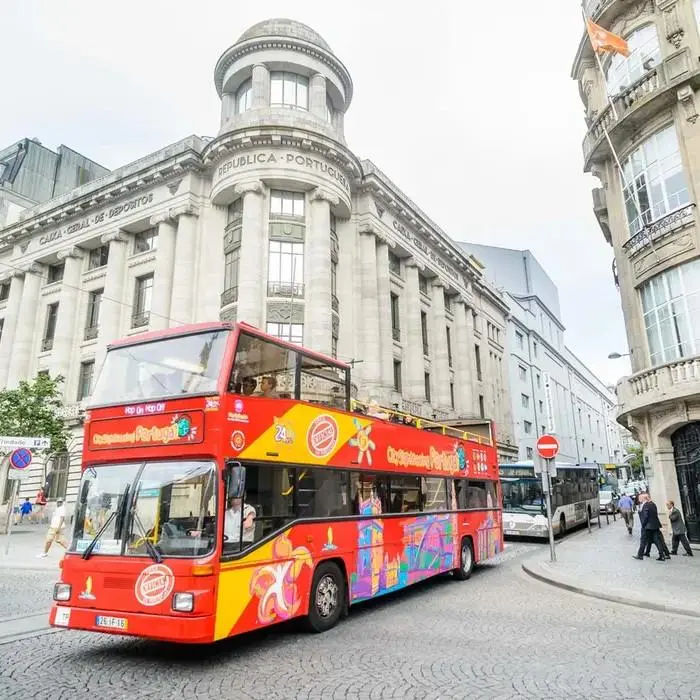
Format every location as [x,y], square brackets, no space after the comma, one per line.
[625,184]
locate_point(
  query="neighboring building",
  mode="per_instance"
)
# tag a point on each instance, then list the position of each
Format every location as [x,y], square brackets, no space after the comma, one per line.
[31,173]
[274,221]
[651,221]
[552,391]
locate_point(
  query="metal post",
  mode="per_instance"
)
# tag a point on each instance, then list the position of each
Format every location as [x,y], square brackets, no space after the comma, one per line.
[10,513]
[588,522]
[547,485]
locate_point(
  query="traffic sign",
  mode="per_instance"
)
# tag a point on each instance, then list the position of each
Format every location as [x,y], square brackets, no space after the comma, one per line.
[12,442]
[16,474]
[547,447]
[21,458]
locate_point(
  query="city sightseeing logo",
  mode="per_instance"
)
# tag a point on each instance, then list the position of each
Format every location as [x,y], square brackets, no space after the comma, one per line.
[180,428]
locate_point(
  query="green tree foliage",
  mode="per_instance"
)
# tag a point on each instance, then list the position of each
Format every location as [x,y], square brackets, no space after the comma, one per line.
[636,462]
[32,410]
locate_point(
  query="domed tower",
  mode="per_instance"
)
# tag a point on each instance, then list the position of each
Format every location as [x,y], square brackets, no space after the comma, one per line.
[282,173]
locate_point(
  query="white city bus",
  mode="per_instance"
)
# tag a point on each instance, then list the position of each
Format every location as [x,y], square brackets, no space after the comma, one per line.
[574,498]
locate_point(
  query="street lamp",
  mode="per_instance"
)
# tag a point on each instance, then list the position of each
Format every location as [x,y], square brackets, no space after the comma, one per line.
[617,355]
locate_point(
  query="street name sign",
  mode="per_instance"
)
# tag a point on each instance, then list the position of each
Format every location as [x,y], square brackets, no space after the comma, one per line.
[547,447]
[13,442]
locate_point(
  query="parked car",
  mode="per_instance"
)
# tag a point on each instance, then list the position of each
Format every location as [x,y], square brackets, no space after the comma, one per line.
[609,499]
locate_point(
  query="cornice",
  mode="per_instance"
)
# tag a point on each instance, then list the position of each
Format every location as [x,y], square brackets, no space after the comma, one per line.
[243,48]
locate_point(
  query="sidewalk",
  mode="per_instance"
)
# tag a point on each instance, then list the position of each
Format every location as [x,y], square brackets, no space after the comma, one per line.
[26,541]
[601,565]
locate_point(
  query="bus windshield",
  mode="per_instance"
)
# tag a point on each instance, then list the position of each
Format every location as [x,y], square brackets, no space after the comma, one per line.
[139,509]
[522,495]
[159,369]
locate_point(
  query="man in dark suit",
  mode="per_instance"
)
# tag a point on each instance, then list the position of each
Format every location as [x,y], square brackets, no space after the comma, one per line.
[651,528]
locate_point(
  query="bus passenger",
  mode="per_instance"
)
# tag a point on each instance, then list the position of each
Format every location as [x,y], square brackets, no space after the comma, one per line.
[248,385]
[268,387]
[232,522]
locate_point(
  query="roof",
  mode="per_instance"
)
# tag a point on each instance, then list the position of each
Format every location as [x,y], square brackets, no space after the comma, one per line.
[280,26]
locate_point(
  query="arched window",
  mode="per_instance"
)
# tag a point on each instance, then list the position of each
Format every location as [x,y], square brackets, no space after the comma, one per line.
[644,55]
[244,97]
[289,90]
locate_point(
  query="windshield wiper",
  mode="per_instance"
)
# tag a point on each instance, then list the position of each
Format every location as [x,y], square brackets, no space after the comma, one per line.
[152,551]
[118,511]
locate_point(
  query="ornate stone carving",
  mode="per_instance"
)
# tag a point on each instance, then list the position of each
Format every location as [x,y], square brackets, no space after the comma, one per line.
[184,210]
[73,252]
[380,210]
[162,217]
[32,268]
[251,186]
[674,28]
[335,326]
[325,195]
[281,312]
[24,245]
[228,315]
[113,237]
[686,98]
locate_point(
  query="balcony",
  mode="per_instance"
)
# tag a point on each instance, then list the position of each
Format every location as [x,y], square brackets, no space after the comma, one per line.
[671,382]
[600,209]
[91,332]
[230,296]
[660,229]
[285,289]
[140,319]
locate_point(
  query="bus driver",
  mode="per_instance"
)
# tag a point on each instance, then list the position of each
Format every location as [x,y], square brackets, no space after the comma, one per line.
[232,522]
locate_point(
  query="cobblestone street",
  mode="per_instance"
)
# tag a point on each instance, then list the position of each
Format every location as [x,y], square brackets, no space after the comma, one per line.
[499,635]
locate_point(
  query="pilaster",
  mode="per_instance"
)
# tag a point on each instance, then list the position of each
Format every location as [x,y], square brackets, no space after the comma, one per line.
[261,86]
[413,345]
[369,328]
[317,96]
[462,351]
[10,324]
[386,340]
[163,274]
[182,297]
[252,273]
[21,350]
[441,366]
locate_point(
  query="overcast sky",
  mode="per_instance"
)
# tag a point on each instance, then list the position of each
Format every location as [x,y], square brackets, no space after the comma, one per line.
[469,109]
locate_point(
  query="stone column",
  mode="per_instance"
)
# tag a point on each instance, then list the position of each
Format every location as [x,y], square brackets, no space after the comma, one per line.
[183,281]
[386,341]
[26,324]
[441,366]
[413,340]
[10,324]
[252,274]
[261,86]
[463,358]
[64,337]
[113,298]
[210,277]
[317,327]
[228,106]
[163,274]
[369,327]
[317,96]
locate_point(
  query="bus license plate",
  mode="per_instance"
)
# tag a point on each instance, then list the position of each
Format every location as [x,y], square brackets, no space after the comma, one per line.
[511,532]
[117,623]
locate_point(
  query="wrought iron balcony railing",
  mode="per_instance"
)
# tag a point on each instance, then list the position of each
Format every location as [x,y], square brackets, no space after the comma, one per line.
[396,334]
[335,304]
[659,229]
[229,296]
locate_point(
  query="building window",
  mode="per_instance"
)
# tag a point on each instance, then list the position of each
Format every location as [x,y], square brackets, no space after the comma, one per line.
[656,183]
[449,345]
[397,375]
[482,411]
[87,370]
[231,264]
[424,331]
[671,307]
[286,203]
[525,400]
[55,273]
[50,326]
[334,346]
[143,295]
[529,454]
[527,427]
[422,284]
[292,332]
[395,318]
[289,90]
[244,96]
[335,304]
[541,406]
[57,478]
[426,383]
[2,325]
[448,301]
[285,276]
[98,257]
[145,241]
[477,360]
[4,291]
[519,340]
[522,373]
[92,321]
[329,109]
[452,394]
[394,264]
[622,72]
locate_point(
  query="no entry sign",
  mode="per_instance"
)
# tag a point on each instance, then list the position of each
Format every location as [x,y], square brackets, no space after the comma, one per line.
[547,447]
[21,458]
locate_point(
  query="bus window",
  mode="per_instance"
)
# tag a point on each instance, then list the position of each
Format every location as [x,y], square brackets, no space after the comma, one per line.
[405,494]
[434,493]
[460,486]
[491,497]
[322,493]
[263,368]
[476,494]
[322,383]
[370,494]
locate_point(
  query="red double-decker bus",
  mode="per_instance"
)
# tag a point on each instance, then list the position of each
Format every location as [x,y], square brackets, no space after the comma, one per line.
[228,485]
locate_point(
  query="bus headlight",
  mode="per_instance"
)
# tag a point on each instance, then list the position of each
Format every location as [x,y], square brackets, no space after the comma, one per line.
[61,591]
[183,602]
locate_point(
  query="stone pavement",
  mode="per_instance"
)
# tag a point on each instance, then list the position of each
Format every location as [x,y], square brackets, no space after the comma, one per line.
[600,564]
[26,541]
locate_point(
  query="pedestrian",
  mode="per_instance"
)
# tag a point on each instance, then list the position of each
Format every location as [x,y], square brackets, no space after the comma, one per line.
[25,509]
[678,528]
[661,541]
[626,506]
[39,505]
[651,528]
[55,532]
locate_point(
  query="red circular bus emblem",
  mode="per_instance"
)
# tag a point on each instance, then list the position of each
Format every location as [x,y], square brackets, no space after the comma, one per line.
[237,440]
[154,585]
[322,436]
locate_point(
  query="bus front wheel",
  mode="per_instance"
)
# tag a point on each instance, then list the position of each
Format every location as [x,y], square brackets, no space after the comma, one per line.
[466,561]
[327,597]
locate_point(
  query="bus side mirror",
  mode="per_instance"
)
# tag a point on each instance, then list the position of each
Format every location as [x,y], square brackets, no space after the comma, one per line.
[235,481]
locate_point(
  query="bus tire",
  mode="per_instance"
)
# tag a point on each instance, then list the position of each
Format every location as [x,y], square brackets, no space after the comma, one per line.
[466,560]
[562,525]
[327,597]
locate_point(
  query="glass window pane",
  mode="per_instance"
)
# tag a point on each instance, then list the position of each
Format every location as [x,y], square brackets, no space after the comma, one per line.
[276,84]
[302,93]
[434,493]
[405,494]
[290,89]
[287,205]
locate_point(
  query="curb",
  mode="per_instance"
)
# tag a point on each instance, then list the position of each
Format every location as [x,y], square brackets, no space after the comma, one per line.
[591,593]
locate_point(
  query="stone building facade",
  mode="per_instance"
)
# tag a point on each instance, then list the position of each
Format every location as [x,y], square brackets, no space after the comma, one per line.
[650,218]
[274,221]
